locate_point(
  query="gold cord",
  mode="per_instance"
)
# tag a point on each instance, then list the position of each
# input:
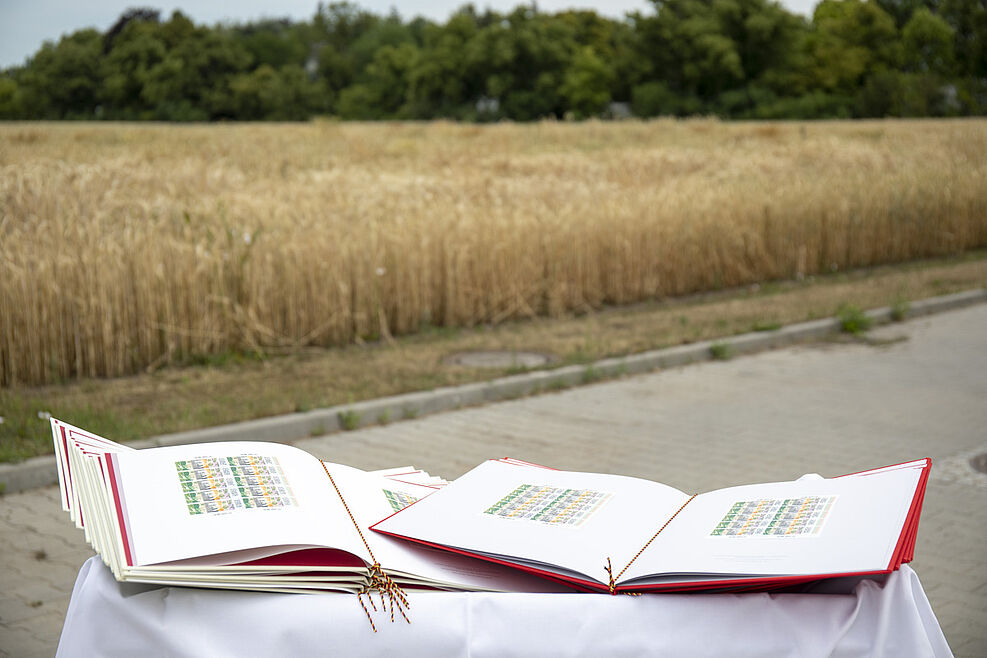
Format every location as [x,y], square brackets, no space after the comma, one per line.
[378,580]
[609,569]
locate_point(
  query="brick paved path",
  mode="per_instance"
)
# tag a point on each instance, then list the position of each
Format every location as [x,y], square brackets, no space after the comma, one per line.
[828,408]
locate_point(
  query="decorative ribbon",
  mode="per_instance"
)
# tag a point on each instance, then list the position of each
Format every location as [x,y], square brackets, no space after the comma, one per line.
[609,569]
[378,580]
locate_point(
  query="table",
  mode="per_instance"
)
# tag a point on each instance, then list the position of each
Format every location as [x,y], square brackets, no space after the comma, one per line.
[868,618]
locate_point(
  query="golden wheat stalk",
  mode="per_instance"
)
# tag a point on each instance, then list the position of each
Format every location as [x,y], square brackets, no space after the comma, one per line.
[127,247]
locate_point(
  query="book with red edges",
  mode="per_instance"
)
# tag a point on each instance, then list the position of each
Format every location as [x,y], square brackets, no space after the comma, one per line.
[253,516]
[621,534]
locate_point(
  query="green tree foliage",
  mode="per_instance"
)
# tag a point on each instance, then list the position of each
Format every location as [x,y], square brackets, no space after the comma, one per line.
[192,81]
[723,56]
[284,94]
[383,89]
[10,98]
[652,99]
[275,43]
[928,43]
[343,52]
[732,58]
[63,80]
[852,40]
[135,48]
[901,10]
[523,59]
[968,18]
[586,83]
[445,74]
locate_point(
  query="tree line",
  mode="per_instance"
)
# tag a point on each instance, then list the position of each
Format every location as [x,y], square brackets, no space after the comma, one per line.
[748,59]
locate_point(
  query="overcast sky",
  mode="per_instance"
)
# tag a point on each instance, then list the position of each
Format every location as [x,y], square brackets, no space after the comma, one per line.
[26,24]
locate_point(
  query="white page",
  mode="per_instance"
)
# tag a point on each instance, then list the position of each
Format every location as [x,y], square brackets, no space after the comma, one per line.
[395,470]
[60,463]
[411,475]
[847,524]
[619,516]
[916,464]
[76,440]
[371,498]
[163,527]
[94,501]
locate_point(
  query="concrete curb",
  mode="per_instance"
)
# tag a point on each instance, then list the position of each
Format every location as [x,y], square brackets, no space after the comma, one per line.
[40,471]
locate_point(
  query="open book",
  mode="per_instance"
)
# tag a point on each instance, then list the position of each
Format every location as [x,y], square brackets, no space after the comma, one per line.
[251,515]
[623,534]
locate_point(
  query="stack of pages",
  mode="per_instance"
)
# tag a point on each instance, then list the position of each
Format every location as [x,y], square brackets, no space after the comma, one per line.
[269,517]
[253,516]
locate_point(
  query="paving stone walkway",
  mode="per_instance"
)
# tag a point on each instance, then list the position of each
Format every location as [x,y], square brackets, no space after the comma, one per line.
[830,408]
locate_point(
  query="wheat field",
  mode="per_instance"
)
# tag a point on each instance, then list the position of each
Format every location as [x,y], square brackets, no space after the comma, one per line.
[127,247]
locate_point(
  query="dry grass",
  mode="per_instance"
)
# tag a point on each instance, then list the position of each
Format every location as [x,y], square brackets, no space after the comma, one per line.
[124,248]
[231,389]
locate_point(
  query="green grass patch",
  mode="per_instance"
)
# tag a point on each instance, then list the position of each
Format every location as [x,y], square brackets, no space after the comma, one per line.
[26,431]
[349,419]
[853,320]
[899,309]
[590,375]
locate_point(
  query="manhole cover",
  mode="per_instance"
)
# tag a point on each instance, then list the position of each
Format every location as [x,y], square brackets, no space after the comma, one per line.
[979,462]
[498,359]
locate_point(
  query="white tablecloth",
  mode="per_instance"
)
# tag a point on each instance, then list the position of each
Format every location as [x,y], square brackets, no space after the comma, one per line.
[106,618]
